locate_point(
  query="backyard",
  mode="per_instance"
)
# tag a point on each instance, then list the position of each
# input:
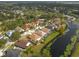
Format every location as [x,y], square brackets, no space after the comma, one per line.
[35,50]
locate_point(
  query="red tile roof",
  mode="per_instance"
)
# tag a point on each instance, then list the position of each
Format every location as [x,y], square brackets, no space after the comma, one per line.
[27,26]
[21,43]
[46,30]
[34,36]
[39,33]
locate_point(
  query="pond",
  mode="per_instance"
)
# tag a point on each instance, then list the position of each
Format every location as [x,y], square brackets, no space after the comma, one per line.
[59,45]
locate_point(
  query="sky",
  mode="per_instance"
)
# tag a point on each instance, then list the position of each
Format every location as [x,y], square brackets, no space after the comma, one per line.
[65,2]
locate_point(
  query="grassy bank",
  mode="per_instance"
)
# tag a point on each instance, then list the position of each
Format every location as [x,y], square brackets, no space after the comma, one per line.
[70,47]
[76,52]
[46,48]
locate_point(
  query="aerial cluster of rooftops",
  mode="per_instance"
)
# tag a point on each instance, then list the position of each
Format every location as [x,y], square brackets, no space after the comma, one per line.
[33,32]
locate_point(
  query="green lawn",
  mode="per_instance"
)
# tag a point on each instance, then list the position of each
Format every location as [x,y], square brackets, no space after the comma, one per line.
[46,50]
[76,21]
[35,50]
[76,52]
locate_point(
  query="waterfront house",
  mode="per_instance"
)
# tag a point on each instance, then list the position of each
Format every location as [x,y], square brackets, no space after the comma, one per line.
[23,43]
[34,37]
[40,33]
[45,30]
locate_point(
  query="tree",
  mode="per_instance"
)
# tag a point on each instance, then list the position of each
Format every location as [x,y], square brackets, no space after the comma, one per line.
[61,55]
[65,53]
[20,22]
[15,36]
[10,25]
[69,47]
[46,52]
[2,43]
[62,28]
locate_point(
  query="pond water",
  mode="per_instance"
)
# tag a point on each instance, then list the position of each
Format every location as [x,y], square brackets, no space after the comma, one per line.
[59,45]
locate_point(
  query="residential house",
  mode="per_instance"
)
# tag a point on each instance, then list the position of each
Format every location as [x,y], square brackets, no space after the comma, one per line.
[9,33]
[19,29]
[1,36]
[40,21]
[27,26]
[34,24]
[51,26]
[23,43]
[40,33]
[34,37]
[54,26]
[57,21]
[45,30]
